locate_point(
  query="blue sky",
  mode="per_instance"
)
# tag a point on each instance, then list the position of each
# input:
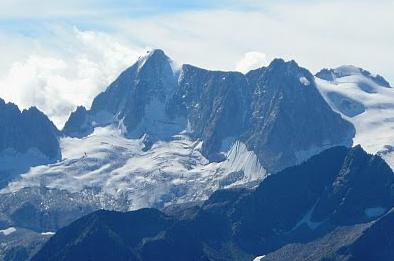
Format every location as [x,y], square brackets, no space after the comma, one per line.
[53,50]
[19,8]
[28,17]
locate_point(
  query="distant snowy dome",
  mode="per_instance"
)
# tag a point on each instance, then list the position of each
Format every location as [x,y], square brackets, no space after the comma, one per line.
[351,70]
[364,100]
[346,70]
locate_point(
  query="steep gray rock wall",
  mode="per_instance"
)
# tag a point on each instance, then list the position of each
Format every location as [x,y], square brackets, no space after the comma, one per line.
[277,111]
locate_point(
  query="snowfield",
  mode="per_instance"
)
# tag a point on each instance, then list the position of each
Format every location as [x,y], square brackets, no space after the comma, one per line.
[171,171]
[7,231]
[367,105]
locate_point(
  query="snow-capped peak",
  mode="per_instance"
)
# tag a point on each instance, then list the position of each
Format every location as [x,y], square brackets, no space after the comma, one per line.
[347,70]
[364,99]
[333,75]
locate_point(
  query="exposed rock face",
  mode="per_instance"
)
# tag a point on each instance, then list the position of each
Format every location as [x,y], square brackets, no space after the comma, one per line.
[297,208]
[27,129]
[27,138]
[277,111]
[79,124]
[136,102]
[289,120]
[215,104]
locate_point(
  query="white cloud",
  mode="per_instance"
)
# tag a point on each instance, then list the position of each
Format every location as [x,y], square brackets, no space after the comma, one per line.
[250,61]
[316,34]
[84,63]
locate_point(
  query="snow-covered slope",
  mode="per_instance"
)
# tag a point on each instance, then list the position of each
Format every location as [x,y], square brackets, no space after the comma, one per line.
[365,100]
[172,171]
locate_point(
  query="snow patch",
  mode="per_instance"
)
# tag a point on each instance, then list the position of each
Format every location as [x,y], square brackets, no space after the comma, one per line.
[239,158]
[306,219]
[8,231]
[259,258]
[47,233]
[304,81]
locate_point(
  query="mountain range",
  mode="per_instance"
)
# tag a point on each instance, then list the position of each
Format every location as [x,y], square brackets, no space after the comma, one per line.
[152,98]
[341,192]
[186,141]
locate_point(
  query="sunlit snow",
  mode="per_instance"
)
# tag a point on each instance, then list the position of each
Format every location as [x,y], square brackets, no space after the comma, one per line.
[171,171]
[368,106]
[47,233]
[8,231]
[304,81]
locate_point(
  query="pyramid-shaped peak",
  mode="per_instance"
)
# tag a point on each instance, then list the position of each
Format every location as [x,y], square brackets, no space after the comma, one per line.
[154,57]
[154,54]
[159,52]
[358,150]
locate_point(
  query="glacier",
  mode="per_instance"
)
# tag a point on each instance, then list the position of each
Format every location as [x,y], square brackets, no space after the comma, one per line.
[170,172]
[365,100]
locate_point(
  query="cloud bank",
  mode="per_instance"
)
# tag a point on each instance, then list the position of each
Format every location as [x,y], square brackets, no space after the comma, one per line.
[76,72]
[250,61]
